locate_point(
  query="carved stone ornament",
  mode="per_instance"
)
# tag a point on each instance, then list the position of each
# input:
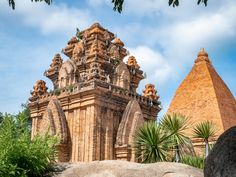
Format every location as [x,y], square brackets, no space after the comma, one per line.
[39,88]
[78,51]
[150,92]
[133,62]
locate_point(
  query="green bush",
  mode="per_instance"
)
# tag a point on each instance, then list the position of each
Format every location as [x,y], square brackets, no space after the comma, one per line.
[19,155]
[195,161]
[57,92]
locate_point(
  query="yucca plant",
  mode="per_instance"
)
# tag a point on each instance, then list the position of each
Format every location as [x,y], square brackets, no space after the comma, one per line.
[152,143]
[205,130]
[176,125]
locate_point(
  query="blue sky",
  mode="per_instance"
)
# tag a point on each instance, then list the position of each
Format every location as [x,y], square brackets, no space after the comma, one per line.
[165,40]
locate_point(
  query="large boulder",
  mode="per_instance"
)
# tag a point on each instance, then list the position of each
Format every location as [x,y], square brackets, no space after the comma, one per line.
[221,162]
[115,168]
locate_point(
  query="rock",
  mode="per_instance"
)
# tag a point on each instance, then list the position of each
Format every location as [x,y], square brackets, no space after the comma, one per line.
[115,168]
[221,162]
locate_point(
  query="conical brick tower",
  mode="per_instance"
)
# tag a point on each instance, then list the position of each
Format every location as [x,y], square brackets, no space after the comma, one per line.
[203,95]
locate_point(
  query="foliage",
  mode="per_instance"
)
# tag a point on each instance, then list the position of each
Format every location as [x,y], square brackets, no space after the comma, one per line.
[155,142]
[12,3]
[176,2]
[175,124]
[195,161]
[26,114]
[57,92]
[19,155]
[1,117]
[152,143]
[205,130]
[118,4]
[71,88]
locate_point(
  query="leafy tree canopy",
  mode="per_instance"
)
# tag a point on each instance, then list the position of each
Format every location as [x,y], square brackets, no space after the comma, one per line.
[12,3]
[118,4]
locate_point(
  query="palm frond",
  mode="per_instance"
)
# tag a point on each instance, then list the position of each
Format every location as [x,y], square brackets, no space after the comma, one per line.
[176,124]
[152,143]
[204,130]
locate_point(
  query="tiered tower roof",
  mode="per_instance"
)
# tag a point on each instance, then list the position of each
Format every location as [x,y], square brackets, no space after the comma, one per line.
[95,58]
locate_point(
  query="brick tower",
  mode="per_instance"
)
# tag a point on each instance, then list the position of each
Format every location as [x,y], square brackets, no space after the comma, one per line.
[203,95]
[94,107]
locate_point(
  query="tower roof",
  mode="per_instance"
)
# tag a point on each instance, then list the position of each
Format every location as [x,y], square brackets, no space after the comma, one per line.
[202,56]
[203,95]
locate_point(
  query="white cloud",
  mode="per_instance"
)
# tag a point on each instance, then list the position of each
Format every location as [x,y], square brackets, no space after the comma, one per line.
[180,41]
[204,30]
[153,63]
[50,19]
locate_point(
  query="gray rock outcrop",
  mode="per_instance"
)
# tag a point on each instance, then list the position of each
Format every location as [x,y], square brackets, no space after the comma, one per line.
[114,168]
[221,162]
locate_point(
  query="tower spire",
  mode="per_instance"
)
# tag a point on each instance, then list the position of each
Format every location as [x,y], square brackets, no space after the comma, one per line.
[202,56]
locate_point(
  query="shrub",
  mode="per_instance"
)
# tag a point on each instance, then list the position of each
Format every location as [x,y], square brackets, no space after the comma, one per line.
[57,92]
[71,88]
[19,155]
[195,161]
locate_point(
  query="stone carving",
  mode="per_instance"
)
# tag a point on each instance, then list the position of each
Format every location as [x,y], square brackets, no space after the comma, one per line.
[96,72]
[132,118]
[107,38]
[96,29]
[53,71]
[68,74]
[132,62]
[118,42]
[114,52]
[97,47]
[122,76]
[108,80]
[56,63]
[221,162]
[150,92]
[39,88]
[78,51]
[54,121]
[68,50]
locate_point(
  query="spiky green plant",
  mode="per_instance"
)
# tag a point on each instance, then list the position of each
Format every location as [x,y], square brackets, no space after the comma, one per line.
[205,130]
[176,125]
[194,161]
[152,143]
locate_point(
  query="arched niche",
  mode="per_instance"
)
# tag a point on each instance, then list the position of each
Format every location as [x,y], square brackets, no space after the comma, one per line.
[54,122]
[68,74]
[122,76]
[132,118]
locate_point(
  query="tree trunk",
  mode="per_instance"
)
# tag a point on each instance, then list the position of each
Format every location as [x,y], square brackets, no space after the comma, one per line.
[207,148]
[177,154]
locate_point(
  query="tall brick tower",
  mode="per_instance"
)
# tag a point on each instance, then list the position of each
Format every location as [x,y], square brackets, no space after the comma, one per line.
[94,107]
[203,95]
